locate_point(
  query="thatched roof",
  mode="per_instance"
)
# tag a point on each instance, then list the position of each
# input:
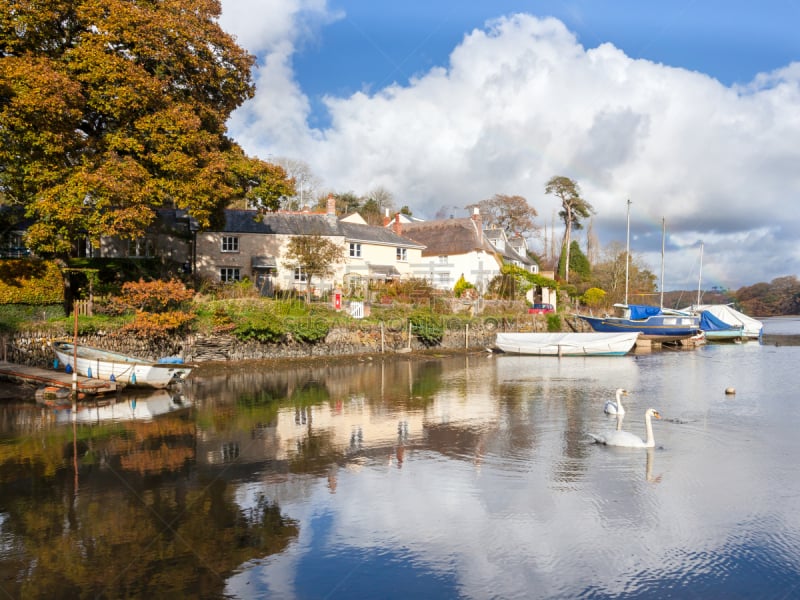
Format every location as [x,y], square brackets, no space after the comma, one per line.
[448,237]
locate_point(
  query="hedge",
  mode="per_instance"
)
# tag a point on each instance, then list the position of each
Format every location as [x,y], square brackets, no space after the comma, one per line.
[30,281]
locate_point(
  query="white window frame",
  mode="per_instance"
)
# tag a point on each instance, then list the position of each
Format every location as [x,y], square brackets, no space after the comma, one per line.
[300,275]
[229,243]
[443,278]
[230,274]
[402,254]
[443,259]
[355,250]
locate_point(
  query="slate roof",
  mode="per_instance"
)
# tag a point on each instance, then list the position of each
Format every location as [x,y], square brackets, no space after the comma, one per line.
[244,221]
[509,252]
[447,237]
[375,235]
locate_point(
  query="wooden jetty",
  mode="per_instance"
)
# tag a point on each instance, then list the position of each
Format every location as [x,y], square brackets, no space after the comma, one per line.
[51,377]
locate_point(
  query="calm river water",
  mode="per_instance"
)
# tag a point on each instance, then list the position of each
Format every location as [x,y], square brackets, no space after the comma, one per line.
[415,477]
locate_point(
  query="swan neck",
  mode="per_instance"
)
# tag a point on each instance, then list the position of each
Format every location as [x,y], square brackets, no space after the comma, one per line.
[648,427]
[620,409]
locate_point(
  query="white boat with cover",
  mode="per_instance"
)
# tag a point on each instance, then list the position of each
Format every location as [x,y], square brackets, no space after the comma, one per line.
[751,328]
[567,344]
[113,366]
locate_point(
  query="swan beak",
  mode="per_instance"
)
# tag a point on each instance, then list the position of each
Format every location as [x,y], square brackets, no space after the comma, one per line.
[656,415]
[626,393]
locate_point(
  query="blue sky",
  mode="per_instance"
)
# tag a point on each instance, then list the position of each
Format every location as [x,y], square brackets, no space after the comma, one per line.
[377,43]
[690,109]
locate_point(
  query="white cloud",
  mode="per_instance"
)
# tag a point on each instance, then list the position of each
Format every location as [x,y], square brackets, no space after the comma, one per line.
[521,101]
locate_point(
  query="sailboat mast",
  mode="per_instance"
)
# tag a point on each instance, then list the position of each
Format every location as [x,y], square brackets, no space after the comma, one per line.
[627,250]
[700,277]
[663,238]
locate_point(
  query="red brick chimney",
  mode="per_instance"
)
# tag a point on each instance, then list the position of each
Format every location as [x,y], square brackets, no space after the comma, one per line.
[331,205]
[386,218]
[397,226]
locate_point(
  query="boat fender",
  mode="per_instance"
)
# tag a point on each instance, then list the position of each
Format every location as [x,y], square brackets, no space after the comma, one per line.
[89,372]
[68,369]
[112,378]
[55,364]
[133,378]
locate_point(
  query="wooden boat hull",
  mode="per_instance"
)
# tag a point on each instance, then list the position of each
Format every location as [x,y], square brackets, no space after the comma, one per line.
[112,366]
[567,344]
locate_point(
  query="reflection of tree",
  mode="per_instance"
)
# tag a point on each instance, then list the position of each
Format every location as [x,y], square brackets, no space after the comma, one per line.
[310,394]
[148,531]
[427,381]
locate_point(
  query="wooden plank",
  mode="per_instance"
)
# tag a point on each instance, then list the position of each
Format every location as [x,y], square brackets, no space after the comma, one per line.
[26,374]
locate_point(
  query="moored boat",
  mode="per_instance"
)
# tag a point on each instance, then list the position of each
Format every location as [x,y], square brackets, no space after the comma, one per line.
[751,328]
[653,323]
[566,344]
[716,330]
[650,322]
[114,366]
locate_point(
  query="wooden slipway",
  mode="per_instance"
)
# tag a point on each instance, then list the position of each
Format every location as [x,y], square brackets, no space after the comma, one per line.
[35,375]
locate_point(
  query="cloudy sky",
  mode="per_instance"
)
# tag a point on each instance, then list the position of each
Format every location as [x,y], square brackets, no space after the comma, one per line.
[687,108]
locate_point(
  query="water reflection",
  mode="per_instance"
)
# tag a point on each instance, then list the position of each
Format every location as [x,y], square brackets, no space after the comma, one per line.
[470,476]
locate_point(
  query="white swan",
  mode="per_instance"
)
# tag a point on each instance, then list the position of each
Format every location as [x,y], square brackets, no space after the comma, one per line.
[616,408]
[627,439]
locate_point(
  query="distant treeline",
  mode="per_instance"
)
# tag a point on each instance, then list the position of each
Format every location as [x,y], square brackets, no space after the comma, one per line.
[781,296]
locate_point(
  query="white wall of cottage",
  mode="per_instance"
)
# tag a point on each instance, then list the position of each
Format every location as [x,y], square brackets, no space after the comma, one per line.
[478,267]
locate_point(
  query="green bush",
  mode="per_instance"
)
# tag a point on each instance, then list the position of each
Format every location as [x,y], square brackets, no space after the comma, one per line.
[308,329]
[262,327]
[462,285]
[427,327]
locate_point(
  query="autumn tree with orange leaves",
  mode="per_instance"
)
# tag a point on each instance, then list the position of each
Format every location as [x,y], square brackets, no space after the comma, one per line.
[110,109]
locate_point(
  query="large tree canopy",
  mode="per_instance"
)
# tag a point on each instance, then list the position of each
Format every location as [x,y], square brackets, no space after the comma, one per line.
[512,214]
[112,108]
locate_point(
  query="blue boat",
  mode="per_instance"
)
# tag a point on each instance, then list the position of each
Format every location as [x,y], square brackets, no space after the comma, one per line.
[651,322]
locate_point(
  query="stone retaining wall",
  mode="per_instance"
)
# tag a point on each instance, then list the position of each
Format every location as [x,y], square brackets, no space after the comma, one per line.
[35,349]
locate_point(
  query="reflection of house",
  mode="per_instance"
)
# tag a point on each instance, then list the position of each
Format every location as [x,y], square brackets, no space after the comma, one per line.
[456,247]
[253,245]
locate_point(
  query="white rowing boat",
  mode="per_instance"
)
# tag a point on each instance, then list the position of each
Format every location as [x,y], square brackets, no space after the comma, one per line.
[567,344]
[124,369]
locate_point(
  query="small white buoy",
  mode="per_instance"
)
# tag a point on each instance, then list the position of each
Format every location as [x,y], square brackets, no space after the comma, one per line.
[730,391]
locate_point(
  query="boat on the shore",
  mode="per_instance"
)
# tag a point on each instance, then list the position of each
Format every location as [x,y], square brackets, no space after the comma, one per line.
[121,368]
[567,344]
